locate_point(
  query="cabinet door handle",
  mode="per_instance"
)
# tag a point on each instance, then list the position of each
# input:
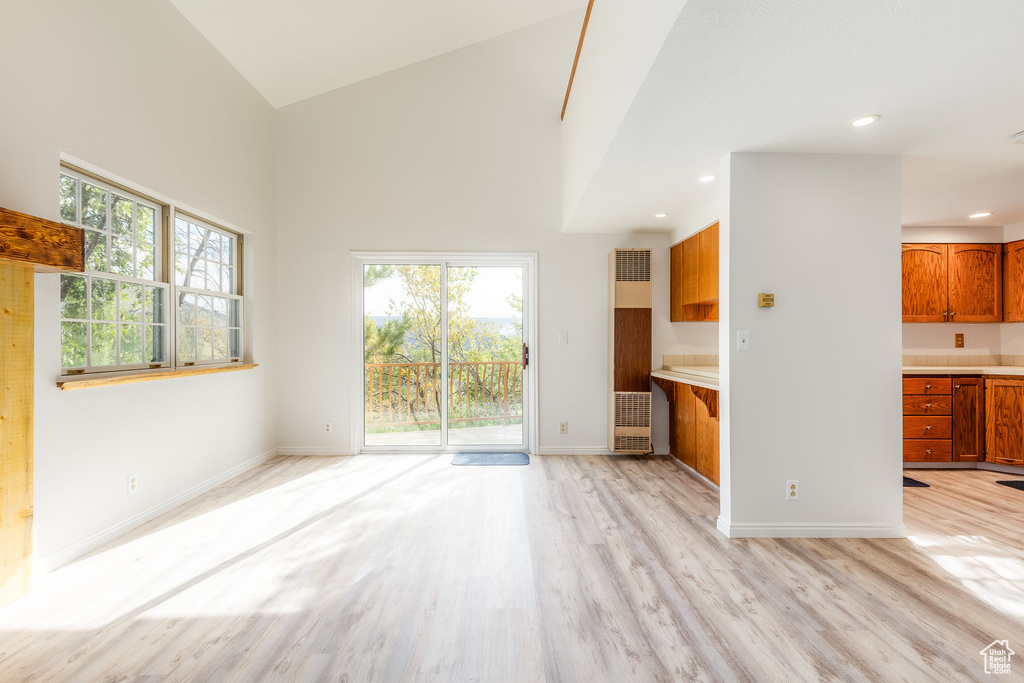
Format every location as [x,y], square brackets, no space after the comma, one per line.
[928,451]
[927,405]
[928,427]
[957,386]
[927,387]
[945,316]
[952,315]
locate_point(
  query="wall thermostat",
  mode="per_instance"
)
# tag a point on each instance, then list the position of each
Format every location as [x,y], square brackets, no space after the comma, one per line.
[765,300]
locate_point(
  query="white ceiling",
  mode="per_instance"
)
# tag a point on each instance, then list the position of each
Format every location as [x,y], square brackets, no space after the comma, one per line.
[291,50]
[947,77]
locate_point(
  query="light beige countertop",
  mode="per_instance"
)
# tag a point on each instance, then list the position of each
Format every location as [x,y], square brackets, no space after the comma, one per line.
[963,370]
[696,375]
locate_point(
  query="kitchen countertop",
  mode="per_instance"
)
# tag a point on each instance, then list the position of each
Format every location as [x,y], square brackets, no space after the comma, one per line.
[964,370]
[697,375]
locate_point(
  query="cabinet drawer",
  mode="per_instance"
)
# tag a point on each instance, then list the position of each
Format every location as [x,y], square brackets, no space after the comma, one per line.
[927,450]
[927,385]
[927,427]
[927,405]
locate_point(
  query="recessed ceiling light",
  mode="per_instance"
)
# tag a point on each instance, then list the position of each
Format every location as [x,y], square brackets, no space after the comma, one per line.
[864,121]
[707,178]
[660,215]
[981,214]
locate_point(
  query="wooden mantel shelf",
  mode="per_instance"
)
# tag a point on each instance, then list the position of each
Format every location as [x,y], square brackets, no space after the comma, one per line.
[86,381]
[47,246]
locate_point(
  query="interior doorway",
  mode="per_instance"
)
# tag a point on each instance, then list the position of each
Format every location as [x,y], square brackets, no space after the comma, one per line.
[444,350]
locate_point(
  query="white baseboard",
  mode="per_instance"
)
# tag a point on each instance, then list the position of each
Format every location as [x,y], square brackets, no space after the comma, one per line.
[309,450]
[794,530]
[987,466]
[56,560]
[558,450]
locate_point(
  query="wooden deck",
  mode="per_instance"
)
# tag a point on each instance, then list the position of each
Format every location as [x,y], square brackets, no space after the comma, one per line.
[576,568]
[466,436]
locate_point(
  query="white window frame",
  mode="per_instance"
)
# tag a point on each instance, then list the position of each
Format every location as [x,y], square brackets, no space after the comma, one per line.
[164,271]
[184,289]
[158,281]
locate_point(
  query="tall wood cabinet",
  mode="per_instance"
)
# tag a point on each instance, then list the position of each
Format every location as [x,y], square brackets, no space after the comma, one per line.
[694,277]
[1004,408]
[953,283]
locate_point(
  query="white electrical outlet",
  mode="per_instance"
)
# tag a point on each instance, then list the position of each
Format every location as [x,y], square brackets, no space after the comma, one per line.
[327,427]
[133,483]
[792,489]
[563,427]
[563,337]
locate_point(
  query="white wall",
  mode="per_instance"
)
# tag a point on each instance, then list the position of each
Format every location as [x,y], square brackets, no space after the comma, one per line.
[817,398]
[458,153]
[132,87]
[623,38]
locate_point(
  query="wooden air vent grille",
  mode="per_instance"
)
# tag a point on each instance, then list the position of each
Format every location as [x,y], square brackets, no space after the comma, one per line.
[632,265]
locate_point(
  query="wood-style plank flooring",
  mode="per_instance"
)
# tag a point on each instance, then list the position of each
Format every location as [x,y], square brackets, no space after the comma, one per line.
[588,568]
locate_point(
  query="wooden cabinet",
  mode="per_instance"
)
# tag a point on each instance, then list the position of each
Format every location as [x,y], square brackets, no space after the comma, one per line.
[1013,282]
[968,419]
[694,277]
[693,426]
[1004,412]
[952,283]
[927,419]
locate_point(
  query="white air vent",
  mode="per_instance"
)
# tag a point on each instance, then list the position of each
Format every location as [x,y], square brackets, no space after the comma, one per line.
[632,265]
[633,409]
[632,444]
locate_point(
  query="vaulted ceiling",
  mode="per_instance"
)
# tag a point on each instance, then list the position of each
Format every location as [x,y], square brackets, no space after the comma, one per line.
[291,50]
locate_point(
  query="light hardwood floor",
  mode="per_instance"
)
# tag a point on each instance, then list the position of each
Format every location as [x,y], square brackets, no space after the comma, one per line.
[404,568]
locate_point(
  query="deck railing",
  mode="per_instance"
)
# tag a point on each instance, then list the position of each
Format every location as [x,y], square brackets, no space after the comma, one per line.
[404,394]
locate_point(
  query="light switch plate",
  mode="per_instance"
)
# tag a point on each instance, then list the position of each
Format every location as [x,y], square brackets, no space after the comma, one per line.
[742,340]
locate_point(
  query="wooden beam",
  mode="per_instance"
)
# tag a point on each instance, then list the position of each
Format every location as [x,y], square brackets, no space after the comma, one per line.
[17,319]
[576,60]
[48,246]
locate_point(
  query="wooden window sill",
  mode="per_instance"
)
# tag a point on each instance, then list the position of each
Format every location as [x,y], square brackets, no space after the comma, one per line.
[86,381]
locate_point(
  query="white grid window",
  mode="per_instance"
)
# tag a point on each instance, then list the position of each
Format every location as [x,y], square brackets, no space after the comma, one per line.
[209,308]
[113,316]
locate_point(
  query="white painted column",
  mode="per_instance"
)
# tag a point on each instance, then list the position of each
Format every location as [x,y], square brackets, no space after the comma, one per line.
[817,397]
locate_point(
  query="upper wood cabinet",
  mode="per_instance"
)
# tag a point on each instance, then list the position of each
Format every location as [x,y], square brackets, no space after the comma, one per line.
[952,283]
[694,280]
[1013,282]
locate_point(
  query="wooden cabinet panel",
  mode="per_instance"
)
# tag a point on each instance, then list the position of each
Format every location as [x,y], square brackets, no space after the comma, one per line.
[925,293]
[707,443]
[927,450]
[632,349]
[686,417]
[968,419]
[1013,282]
[676,292]
[707,285]
[975,283]
[927,385]
[691,270]
[1004,412]
[927,405]
[927,427]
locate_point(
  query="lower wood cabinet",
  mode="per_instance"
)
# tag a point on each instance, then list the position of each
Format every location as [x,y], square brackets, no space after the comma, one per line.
[943,419]
[1004,409]
[693,426]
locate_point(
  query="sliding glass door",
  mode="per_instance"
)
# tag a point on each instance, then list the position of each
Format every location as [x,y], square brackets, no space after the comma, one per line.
[444,355]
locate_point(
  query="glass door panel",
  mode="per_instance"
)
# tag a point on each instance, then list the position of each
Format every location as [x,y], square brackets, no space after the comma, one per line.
[402,379]
[485,355]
